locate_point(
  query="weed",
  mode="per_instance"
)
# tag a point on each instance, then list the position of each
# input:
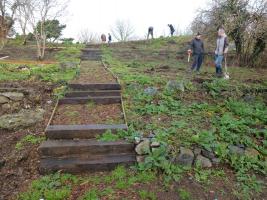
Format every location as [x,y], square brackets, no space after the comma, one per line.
[108,136]
[90,195]
[52,187]
[184,194]
[147,195]
[29,139]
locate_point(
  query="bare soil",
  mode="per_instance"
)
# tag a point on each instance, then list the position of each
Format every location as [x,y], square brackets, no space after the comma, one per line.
[21,166]
[88,114]
[93,72]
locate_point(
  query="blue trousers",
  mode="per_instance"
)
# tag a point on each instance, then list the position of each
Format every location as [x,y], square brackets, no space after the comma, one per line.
[218,63]
[198,60]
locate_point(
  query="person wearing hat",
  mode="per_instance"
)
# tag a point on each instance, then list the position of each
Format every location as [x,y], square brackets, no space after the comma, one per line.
[197,49]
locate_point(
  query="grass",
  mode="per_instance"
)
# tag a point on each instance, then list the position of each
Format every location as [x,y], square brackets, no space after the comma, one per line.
[211,113]
[212,121]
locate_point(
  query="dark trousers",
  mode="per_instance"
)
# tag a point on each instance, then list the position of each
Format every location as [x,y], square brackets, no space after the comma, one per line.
[198,60]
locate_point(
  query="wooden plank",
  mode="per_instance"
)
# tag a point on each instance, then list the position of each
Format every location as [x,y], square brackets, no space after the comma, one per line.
[85,100]
[77,165]
[80,131]
[93,93]
[95,86]
[84,148]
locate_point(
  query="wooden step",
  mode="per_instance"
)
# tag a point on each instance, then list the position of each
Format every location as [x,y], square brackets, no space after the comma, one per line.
[93,93]
[95,86]
[85,100]
[86,149]
[80,131]
[76,165]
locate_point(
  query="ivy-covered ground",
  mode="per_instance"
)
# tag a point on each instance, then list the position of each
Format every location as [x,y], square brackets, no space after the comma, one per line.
[201,111]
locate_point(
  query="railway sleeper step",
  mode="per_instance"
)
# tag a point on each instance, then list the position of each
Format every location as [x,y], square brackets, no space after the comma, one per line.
[76,165]
[95,86]
[84,148]
[84,100]
[99,93]
[80,131]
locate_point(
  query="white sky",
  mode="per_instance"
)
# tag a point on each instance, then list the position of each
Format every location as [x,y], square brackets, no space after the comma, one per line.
[99,15]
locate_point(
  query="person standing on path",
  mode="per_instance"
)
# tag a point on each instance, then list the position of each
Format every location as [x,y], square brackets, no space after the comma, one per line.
[197,48]
[109,38]
[150,32]
[172,30]
[220,51]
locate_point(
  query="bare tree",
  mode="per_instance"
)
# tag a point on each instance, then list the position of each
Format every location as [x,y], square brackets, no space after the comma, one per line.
[23,17]
[245,22]
[123,30]
[86,37]
[7,12]
[39,12]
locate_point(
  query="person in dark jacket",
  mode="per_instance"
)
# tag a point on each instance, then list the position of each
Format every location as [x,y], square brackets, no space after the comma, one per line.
[197,48]
[172,30]
[150,32]
[109,38]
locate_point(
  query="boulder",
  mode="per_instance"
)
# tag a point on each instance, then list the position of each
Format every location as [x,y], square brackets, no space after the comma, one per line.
[15,96]
[23,119]
[155,144]
[208,154]
[236,150]
[250,152]
[185,157]
[140,159]
[143,148]
[175,86]
[3,99]
[152,91]
[203,161]
[6,107]
[197,151]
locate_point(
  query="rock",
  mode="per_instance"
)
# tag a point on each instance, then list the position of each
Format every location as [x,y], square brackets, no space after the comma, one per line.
[186,157]
[3,99]
[143,148]
[175,86]
[6,107]
[151,135]
[140,159]
[152,91]
[137,140]
[68,65]
[208,154]
[49,102]
[203,161]
[250,152]
[15,96]
[197,151]
[248,98]
[2,163]
[236,150]
[216,161]
[16,106]
[23,119]
[155,144]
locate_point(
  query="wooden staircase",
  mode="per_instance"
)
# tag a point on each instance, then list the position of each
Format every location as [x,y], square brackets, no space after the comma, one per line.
[74,148]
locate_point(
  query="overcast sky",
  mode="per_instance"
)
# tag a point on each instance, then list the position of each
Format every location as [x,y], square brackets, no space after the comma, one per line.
[99,15]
